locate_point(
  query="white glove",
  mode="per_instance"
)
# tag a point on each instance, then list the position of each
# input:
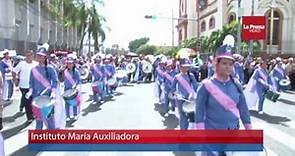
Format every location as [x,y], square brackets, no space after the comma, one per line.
[192,96]
[53,95]
[28,94]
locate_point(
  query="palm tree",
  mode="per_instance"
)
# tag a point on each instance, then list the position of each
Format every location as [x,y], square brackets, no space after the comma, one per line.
[83,15]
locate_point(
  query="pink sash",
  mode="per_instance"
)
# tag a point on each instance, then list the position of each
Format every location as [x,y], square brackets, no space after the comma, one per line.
[169,77]
[69,77]
[39,77]
[8,63]
[97,71]
[225,101]
[280,71]
[262,75]
[184,84]
[160,71]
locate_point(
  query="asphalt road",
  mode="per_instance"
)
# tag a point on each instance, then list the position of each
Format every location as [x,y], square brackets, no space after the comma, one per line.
[134,107]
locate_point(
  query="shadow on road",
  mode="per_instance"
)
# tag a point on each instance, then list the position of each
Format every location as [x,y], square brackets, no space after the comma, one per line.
[184,154]
[13,117]
[90,97]
[6,103]
[12,131]
[70,123]
[270,118]
[90,109]
[289,92]
[158,107]
[171,121]
[24,151]
[118,94]
[285,101]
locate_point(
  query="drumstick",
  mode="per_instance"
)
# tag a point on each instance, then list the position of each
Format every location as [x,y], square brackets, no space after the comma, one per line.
[44,91]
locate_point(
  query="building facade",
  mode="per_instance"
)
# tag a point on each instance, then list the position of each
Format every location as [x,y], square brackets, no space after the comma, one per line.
[213,14]
[26,23]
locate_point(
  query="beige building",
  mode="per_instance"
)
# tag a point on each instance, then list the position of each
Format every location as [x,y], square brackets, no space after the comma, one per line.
[216,13]
[26,23]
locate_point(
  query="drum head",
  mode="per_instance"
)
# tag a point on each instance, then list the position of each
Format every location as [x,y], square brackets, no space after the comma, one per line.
[112,81]
[285,82]
[188,107]
[42,101]
[121,74]
[70,93]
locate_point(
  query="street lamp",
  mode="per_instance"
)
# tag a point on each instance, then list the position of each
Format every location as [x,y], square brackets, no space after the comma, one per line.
[170,18]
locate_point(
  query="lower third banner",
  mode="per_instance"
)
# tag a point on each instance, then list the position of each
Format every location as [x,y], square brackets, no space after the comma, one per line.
[145,140]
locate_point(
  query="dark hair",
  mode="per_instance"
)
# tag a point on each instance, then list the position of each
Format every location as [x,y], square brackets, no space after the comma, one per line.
[46,69]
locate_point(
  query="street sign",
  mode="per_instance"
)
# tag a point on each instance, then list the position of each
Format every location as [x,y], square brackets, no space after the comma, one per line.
[253,28]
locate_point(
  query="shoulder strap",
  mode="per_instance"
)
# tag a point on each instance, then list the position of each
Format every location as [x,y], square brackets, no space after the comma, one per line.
[222,99]
[39,77]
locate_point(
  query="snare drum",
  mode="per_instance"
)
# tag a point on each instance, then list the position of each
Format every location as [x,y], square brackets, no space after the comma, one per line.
[42,107]
[71,97]
[285,84]
[272,96]
[189,110]
[112,82]
[97,86]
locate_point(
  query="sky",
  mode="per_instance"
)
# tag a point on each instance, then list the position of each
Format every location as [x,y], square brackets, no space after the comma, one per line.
[126,20]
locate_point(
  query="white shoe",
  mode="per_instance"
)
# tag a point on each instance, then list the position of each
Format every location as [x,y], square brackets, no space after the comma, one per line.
[68,119]
[75,117]
[260,112]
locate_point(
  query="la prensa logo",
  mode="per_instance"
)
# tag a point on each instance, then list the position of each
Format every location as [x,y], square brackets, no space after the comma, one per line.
[254,28]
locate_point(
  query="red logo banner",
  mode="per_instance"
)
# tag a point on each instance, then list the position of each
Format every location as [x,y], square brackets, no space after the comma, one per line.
[254,28]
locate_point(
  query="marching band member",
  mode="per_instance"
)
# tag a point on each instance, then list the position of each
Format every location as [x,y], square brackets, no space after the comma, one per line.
[139,74]
[110,71]
[260,83]
[184,85]
[43,81]
[168,79]
[278,73]
[159,88]
[210,67]
[220,100]
[6,70]
[72,80]
[238,70]
[98,74]
[1,103]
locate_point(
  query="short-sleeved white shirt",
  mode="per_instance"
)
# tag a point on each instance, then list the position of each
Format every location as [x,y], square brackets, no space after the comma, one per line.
[24,69]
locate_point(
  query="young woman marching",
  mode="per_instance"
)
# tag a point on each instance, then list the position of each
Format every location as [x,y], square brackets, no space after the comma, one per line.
[220,100]
[72,82]
[43,88]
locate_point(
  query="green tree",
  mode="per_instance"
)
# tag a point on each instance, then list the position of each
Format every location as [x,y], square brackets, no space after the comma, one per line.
[147,49]
[135,44]
[83,15]
[189,43]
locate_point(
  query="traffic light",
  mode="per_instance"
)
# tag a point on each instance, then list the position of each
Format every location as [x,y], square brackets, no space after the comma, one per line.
[150,17]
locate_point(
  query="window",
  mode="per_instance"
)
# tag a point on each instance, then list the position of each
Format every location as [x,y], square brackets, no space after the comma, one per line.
[232,17]
[212,23]
[203,26]
[276,27]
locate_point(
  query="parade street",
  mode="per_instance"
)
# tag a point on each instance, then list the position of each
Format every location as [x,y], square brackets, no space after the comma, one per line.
[133,107]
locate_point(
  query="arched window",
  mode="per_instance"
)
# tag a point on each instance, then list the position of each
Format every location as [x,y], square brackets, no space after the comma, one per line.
[232,17]
[212,23]
[203,26]
[276,27]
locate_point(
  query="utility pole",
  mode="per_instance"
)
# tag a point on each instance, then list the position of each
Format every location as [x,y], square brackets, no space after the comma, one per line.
[251,41]
[172,19]
[239,27]
[198,33]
